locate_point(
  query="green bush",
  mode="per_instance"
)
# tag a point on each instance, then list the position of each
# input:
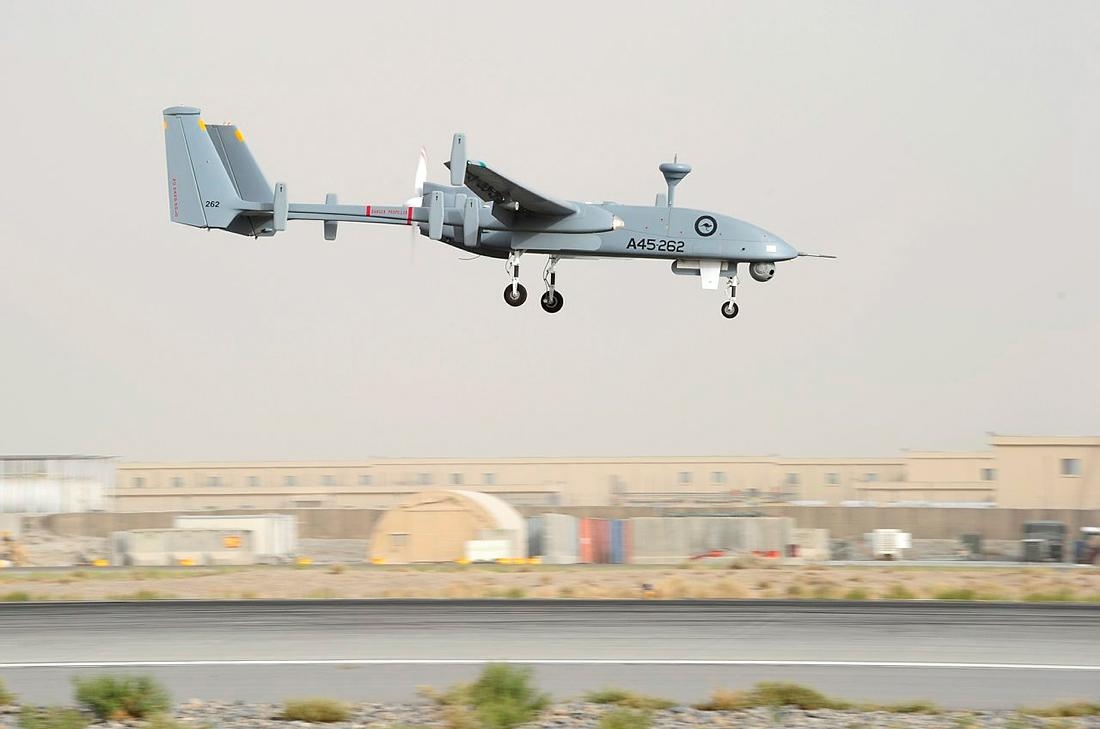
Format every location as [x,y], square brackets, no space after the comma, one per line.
[317,711]
[16,596]
[7,698]
[503,696]
[857,593]
[628,699]
[625,719]
[53,717]
[121,697]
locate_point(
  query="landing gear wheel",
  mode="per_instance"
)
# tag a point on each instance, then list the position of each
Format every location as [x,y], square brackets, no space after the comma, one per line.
[729,309]
[515,298]
[552,302]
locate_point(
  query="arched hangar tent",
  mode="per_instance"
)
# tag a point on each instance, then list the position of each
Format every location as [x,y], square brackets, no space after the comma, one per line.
[434,526]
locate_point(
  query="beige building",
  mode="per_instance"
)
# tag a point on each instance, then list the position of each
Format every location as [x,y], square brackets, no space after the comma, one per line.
[1016,471]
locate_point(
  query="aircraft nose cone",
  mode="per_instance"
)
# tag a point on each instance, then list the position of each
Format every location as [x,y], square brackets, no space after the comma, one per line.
[774,245]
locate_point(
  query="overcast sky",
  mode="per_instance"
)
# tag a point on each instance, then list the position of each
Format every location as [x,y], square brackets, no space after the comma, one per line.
[948,152]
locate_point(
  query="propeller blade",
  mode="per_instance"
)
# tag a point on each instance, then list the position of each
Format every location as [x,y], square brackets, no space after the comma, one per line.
[419,179]
[421,172]
[815,255]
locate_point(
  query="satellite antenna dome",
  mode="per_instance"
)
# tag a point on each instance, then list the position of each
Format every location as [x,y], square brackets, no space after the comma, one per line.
[674,172]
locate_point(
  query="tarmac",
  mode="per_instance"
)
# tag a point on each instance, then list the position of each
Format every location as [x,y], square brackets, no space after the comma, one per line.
[961,655]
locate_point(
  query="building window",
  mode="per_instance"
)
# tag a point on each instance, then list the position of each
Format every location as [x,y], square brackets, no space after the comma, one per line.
[138,482]
[177,482]
[684,477]
[364,479]
[989,474]
[870,477]
[792,479]
[253,481]
[213,481]
[456,479]
[1071,466]
[832,479]
[489,479]
[290,480]
[328,480]
[424,479]
[718,477]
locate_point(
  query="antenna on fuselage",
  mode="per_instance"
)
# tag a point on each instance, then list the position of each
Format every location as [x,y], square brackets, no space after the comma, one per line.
[674,172]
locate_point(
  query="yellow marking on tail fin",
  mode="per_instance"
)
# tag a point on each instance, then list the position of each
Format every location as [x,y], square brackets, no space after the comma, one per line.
[165,124]
[240,137]
[202,124]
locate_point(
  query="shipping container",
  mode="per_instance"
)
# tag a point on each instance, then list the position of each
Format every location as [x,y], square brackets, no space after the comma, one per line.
[601,541]
[535,543]
[560,540]
[620,541]
[275,536]
[584,541]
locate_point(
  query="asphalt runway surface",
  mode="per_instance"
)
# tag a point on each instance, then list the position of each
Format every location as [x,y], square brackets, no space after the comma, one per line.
[962,655]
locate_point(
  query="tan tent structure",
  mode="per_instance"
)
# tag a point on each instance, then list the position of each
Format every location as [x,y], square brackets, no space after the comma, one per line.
[434,526]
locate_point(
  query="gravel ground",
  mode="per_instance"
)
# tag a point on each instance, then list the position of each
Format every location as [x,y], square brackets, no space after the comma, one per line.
[581,715]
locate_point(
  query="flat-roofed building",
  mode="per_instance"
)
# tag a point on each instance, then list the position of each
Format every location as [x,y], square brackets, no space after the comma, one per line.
[1031,471]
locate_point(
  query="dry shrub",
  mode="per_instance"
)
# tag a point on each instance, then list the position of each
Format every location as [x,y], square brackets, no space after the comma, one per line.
[315,711]
[628,699]
[729,588]
[672,588]
[772,693]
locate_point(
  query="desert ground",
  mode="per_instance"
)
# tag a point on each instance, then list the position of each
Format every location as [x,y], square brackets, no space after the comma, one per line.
[741,579]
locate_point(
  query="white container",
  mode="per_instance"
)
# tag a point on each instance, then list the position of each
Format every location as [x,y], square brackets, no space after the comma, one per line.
[890,543]
[274,536]
[488,550]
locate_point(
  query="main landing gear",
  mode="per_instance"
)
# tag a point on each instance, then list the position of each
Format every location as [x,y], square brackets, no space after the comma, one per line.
[552,300]
[515,293]
[729,308]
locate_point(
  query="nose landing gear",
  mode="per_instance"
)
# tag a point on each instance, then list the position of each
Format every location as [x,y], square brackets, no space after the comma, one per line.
[730,308]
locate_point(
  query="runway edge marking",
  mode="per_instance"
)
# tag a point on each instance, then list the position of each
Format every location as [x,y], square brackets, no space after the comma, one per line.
[541,662]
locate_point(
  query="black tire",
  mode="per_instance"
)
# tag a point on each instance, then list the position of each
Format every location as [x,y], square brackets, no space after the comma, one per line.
[729,309]
[552,306]
[518,299]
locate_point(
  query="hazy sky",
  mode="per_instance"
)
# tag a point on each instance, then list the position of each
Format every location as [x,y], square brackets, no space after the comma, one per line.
[948,152]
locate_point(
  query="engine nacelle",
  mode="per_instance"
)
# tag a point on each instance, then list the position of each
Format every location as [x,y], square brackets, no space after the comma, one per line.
[762,271]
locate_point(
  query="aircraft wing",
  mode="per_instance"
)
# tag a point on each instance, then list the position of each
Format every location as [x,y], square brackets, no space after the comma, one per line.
[491,186]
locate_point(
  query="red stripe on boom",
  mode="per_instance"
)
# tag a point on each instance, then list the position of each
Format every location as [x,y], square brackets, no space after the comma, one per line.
[368,211]
[409,217]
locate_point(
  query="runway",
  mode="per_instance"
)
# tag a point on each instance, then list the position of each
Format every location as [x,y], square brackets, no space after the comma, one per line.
[959,654]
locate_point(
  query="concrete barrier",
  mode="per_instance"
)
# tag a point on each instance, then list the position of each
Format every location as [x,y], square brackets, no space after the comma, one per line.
[670,540]
[165,547]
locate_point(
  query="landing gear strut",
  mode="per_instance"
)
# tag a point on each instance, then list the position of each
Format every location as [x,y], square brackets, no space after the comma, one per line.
[552,300]
[515,294]
[729,308]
